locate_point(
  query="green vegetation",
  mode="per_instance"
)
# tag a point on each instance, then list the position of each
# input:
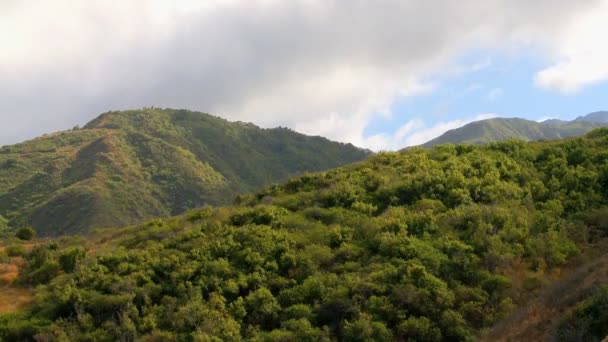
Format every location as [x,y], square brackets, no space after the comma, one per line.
[415,245]
[15,250]
[124,167]
[500,129]
[25,233]
[588,321]
[4,228]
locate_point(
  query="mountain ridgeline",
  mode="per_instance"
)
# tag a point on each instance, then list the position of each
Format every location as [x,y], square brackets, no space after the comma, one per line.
[126,166]
[499,129]
[420,245]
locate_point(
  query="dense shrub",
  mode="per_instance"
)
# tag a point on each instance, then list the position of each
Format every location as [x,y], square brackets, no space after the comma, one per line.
[413,245]
[15,250]
[25,233]
[587,321]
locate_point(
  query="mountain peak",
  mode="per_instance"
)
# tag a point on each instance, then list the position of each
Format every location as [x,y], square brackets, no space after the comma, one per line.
[600,116]
[498,129]
[125,166]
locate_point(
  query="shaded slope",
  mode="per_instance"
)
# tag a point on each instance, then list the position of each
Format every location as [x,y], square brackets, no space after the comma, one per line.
[123,167]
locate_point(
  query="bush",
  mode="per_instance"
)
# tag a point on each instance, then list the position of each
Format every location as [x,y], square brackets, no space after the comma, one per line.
[15,250]
[44,273]
[588,321]
[3,258]
[70,257]
[26,233]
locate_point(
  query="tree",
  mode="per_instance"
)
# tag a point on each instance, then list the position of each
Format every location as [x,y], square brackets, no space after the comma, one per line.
[26,233]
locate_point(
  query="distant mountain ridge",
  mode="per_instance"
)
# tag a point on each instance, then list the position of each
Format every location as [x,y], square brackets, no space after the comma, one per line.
[601,117]
[126,166]
[498,129]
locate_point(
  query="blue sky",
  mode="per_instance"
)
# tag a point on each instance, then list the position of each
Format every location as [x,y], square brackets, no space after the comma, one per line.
[486,82]
[383,75]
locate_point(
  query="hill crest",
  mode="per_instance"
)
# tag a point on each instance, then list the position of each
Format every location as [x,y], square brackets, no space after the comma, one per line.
[499,129]
[126,166]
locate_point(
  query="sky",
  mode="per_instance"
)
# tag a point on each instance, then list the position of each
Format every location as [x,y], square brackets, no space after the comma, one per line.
[382,74]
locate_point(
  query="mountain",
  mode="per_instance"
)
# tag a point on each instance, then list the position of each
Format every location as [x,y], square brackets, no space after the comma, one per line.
[423,244]
[498,129]
[123,167]
[601,117]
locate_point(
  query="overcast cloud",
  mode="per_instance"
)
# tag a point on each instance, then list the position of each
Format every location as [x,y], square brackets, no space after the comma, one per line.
[321,67]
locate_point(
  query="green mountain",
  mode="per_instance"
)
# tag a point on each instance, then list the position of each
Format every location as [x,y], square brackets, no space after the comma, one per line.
[123,167]
[499,129]
[424,244]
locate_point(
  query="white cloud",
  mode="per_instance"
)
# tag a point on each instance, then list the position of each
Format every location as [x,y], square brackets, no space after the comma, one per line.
[495,93]
[415,132]
[547,117]
[582,53]
[323,67]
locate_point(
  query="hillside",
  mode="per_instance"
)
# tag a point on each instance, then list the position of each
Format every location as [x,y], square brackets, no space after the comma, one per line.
[499,129]
[601,117]
[424,244]
[123,167]
[573,309]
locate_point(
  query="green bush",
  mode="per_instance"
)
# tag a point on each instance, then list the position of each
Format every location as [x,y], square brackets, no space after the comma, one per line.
[25,233]
[3,258]
[414,245]
[15,250]
[70,257]
[588,321]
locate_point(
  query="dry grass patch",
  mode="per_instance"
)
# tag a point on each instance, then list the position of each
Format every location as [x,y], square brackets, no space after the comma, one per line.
[14,298]
[539,318]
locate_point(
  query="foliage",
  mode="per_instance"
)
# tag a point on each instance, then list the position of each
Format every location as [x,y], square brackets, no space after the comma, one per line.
[4,228]
[125,167]
[25,233]
[413,245]
[587,321]
[15,250]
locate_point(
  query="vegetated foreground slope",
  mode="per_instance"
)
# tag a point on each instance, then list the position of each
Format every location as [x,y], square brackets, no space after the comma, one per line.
[574,308]
[499,129]
[127,166]
[423,245]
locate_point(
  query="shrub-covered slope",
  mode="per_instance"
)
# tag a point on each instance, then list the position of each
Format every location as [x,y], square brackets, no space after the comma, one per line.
[127,166]
[423,245]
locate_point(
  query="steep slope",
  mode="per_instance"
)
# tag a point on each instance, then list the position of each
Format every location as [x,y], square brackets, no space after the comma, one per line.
[564,311]
[420,245]
[126,166]
[499,129]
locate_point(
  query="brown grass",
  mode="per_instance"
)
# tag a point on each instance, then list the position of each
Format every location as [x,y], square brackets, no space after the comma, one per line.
[14,298]
[8,273]
[540,317]
[28,245]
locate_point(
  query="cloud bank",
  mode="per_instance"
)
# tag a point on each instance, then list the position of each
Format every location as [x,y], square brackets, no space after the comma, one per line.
[319,66]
